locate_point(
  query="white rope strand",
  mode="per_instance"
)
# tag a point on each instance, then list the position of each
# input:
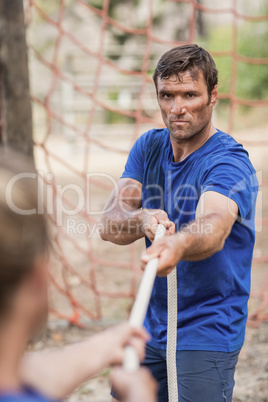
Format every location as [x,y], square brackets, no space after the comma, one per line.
[137,316]
[172,337]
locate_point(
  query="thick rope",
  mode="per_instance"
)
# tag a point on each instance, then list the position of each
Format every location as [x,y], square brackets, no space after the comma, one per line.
[172,337]
[131,361]
[137,316]
[139,309]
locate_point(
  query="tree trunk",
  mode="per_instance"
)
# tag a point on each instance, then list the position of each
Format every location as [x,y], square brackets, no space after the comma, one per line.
[16,114]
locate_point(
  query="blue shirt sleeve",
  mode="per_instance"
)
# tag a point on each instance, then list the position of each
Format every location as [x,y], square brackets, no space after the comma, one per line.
[134,167]
[236,180]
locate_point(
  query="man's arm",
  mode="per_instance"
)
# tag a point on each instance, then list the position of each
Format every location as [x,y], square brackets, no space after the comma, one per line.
[124,221]
[200,239]
[57,373]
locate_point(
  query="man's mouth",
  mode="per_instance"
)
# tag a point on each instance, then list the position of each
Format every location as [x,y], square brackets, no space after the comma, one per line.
[179,121]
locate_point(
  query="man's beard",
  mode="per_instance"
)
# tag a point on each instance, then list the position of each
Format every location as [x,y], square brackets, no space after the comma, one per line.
[187,132]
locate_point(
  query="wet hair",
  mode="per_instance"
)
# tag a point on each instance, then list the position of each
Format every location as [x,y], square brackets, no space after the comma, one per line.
[22,237]
[190,58]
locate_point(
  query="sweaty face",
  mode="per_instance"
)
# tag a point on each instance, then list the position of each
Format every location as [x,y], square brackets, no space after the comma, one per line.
[185,105]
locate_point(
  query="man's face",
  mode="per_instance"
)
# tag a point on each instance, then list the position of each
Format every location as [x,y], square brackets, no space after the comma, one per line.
[185,105]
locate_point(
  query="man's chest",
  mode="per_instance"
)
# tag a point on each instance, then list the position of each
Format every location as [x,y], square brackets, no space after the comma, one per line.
[175,189]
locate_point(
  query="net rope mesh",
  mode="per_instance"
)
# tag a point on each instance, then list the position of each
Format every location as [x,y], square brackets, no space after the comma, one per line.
[91,64]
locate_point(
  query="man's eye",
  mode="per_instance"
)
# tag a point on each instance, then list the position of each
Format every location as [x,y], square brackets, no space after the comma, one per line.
[166,96]
[190,95]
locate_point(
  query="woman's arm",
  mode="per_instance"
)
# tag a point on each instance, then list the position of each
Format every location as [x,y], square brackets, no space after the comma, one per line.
[57,373]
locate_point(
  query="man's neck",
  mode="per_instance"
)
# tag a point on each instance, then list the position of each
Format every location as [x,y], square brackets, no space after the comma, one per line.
[183,148]
[13,341]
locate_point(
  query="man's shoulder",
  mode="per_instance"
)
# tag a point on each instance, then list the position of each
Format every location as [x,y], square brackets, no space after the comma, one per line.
[225,149]
[155,137]
[226,142]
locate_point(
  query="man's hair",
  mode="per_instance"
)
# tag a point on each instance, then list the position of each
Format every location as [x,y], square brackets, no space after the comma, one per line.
[190,58]
[22,237]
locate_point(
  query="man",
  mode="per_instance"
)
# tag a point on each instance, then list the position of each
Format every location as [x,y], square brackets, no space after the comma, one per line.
[199,183]
[43,376]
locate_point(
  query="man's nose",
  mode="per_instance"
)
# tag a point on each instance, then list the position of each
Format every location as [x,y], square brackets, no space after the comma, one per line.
[178,107]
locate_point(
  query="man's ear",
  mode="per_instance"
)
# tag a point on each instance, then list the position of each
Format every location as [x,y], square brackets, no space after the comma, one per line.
[214,96]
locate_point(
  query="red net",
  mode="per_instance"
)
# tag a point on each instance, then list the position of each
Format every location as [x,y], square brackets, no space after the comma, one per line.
[91,64]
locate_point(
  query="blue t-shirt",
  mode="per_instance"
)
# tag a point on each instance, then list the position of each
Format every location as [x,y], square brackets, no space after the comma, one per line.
[27,394]
[212,293]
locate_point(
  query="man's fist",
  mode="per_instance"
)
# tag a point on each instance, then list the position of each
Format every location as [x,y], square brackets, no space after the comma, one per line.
[151,218]
[169,251]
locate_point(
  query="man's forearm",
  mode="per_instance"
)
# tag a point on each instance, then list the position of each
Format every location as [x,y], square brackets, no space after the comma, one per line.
[201,238]
[122,227]
[197,240]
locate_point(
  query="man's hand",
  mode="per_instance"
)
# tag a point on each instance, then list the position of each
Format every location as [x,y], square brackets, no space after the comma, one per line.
[118,337]
[138,386]
[125,221]
[200,239]
[169,252]
[151,218]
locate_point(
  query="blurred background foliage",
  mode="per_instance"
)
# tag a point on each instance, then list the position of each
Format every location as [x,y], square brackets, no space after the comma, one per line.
[252,80]
[252,39]
[252,42]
